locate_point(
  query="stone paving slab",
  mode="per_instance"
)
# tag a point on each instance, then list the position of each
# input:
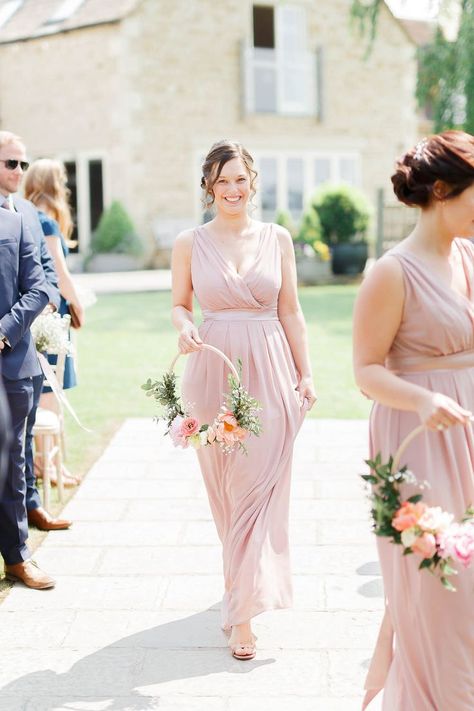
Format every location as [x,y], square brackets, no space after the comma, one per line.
[134,620]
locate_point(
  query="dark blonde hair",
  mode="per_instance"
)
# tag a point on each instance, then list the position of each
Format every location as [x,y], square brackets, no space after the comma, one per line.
[45,185]
[220,154]
[447,157]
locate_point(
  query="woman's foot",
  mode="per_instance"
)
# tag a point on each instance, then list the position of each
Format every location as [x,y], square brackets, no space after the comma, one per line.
[242,642]
[69,480]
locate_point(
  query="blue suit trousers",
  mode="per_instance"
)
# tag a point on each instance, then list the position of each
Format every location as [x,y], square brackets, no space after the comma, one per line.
[13,516]
[33,500]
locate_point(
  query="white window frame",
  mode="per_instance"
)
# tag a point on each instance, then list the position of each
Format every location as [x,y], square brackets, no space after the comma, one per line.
[81,160]
[308,158]
[309,67]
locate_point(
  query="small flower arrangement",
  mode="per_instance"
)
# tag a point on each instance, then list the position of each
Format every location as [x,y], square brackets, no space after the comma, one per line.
[50,333]
[427,531]
[232,425]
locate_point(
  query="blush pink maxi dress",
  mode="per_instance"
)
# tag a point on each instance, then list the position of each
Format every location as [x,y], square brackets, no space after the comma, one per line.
[430,666]
[248,494]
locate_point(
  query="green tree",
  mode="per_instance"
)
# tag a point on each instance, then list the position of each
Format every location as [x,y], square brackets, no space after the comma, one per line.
[446,68]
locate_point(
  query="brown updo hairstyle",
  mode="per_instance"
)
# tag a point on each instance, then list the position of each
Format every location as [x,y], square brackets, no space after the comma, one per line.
[220,153]
[446,157]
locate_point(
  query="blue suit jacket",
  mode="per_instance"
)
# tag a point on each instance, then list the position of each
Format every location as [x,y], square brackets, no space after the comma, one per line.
[23,295]
[31,220]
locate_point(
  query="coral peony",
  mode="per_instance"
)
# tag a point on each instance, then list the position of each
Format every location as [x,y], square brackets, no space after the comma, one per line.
[425,545]
[408,515]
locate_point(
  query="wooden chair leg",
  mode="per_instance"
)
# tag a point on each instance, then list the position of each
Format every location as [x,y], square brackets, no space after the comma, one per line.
[46,461]
[58,461]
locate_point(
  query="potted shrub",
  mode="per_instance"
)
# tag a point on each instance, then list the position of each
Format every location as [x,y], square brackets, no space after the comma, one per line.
[114,245]
[344,214]
[312,255]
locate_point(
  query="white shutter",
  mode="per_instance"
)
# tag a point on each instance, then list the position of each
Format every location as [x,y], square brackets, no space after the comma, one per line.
[295,93]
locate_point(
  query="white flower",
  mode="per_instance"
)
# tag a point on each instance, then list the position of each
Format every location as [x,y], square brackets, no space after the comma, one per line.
[49,334]
[435,519]
[409,536]
[203,437]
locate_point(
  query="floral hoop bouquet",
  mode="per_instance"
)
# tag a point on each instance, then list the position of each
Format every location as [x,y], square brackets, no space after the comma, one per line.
[50,333]
[232,425]
[424,530]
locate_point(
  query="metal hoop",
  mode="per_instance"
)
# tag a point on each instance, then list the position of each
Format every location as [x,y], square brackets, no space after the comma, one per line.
[214,350]
[404,444]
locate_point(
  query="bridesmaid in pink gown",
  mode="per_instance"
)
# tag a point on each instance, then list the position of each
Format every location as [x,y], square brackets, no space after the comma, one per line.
[414,355]
[243,275]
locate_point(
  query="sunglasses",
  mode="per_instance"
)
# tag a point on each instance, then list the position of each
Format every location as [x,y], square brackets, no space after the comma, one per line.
[11,164]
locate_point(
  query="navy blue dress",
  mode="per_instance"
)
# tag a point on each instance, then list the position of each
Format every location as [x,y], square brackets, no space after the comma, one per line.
[51,229]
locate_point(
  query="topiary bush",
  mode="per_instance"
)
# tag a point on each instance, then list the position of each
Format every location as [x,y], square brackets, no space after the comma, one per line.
[115,233]
[344,214]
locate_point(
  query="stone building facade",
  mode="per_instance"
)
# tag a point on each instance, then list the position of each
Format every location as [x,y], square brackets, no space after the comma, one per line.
[132,93]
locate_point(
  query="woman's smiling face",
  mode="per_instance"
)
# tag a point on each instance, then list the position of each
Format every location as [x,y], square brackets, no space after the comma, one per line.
[232,187]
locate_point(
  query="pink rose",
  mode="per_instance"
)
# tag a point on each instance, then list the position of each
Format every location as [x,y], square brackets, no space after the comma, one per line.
[457,542]
[425,545]
[189,426]
[408,515]
[175,432]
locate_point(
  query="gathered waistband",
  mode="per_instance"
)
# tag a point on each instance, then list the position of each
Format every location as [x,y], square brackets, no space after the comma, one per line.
[418,364]
[233,315]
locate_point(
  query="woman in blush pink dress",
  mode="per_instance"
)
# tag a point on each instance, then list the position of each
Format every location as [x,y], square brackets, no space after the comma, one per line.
[414,355]
[243,275]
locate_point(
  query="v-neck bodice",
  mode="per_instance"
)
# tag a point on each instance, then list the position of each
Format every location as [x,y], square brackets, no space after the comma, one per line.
[437,320]
[219,286]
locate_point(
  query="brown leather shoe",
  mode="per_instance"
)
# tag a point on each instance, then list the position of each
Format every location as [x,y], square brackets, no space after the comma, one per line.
[42,520]
[30,575]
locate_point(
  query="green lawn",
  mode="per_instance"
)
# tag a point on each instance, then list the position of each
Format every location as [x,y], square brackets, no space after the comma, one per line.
[129,337]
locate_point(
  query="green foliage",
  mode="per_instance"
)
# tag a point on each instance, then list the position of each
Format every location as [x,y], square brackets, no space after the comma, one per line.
[364,17]
[284,219]
[115,233]
[164,391]
[344,213]
[445,83]
[310,229]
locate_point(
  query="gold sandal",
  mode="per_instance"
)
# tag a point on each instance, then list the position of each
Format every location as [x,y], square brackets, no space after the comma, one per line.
[244,650]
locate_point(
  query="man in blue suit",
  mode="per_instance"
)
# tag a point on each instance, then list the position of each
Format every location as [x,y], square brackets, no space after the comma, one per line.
[12,157]
[23,295]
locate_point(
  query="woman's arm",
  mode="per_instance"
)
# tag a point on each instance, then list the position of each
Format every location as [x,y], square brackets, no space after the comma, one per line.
[292,319]
[377,316]
[65,282]
[182,311]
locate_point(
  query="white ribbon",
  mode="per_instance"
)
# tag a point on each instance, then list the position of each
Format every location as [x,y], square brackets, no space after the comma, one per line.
[50,376]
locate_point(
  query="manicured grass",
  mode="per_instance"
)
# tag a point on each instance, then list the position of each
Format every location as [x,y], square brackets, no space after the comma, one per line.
[129,337]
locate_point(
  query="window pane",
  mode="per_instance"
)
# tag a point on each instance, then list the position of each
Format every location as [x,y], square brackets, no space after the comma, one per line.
[265,78]
[72,185]
[295,182]
[348,170]
[96,192]
[322,171]
[263,26]
[268,187]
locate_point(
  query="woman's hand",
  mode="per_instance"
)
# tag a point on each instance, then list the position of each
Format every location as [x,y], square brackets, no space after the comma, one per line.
[80,314]
[189,339]
[306,391]
[438,411]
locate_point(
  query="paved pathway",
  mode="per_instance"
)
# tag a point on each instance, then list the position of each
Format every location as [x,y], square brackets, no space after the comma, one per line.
[134,622]
[110,282]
